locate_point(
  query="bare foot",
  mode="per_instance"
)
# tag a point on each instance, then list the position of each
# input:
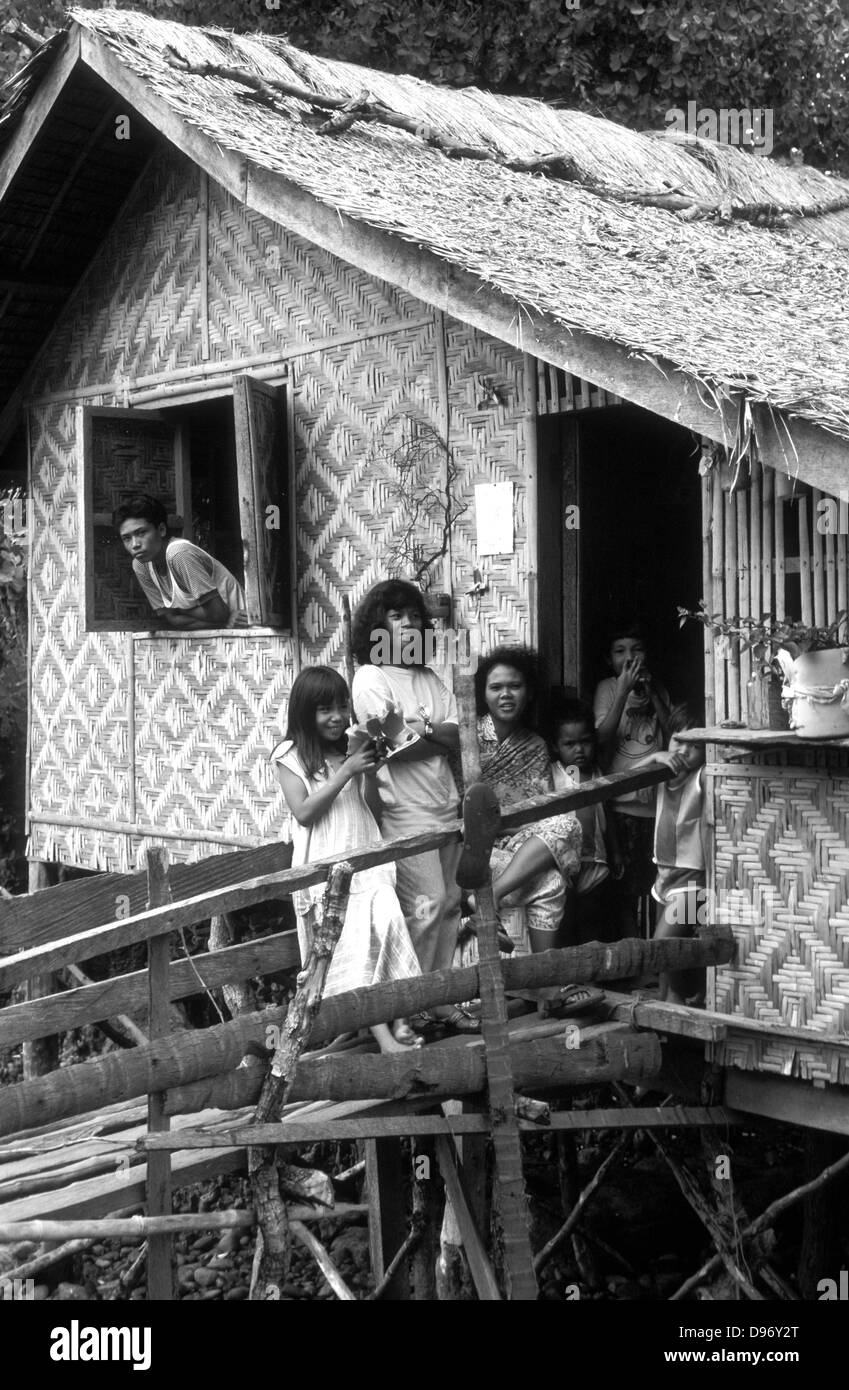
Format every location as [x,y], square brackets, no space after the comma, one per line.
[382,1035]
[403,1033]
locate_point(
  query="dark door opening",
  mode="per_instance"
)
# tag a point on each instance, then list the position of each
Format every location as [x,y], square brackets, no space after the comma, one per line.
[619,536]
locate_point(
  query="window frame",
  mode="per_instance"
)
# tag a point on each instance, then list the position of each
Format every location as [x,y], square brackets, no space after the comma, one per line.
[250,516]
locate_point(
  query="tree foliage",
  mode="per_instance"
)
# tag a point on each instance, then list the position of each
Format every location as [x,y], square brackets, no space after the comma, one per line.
[630,60]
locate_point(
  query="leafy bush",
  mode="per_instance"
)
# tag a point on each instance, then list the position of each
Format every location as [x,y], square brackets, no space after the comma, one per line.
[630,60]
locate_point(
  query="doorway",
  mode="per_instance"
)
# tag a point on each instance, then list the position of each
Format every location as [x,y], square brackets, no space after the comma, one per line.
[619,537]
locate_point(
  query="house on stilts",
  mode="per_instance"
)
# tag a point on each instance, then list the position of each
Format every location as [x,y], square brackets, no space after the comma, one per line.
[248,280]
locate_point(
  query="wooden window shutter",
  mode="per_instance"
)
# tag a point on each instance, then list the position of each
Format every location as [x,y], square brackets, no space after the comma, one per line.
[264,469]
[124,452]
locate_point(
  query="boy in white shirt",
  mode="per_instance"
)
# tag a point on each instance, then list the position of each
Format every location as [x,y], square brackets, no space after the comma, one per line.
[187,588]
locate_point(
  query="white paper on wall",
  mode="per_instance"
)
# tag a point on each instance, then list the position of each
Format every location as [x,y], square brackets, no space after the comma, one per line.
[494,518]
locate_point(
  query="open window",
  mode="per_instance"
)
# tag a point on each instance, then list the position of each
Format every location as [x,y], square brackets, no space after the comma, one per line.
[222,468]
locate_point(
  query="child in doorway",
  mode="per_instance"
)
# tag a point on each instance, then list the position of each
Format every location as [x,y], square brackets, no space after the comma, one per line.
[330,795]
[588,915]
[416,787]
[632,721]
[679,853]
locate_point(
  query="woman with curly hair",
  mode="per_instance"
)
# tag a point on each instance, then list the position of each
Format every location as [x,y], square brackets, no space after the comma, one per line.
[416,786]
[531,866]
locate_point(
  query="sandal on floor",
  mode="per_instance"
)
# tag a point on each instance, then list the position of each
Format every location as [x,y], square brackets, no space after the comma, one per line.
[576,999]
[423,1022]
[462,1020]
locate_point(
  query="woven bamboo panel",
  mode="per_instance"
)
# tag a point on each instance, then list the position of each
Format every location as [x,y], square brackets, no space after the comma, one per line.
[79,753]
[206,712]
[488,442]
[217,702]
[138,309]
[782,882]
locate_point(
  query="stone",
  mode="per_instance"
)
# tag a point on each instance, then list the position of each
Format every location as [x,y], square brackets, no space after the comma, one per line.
[40,1293]
[353,1242]
[204,1243]
[71,1293]
[236,1295]
[205,1278]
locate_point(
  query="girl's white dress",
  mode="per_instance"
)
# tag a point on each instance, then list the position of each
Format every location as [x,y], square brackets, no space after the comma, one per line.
[375,945]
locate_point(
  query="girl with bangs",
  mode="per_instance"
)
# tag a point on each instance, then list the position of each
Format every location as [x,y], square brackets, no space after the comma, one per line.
[332,797]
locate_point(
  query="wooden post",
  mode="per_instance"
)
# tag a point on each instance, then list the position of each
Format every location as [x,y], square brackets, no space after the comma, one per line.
[159,1278]
[273,1248]
[480,819]
[387,1223]
[42,1054]
[427,1210]
[346,639]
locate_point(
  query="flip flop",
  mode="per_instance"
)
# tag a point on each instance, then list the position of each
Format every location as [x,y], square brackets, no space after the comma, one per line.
[575,999]
[462,1020]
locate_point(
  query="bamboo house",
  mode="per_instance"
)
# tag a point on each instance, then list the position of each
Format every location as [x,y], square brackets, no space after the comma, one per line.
[248,280]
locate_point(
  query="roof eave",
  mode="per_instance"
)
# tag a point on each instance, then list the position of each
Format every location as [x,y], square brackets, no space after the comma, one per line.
[815,455]
[36,113]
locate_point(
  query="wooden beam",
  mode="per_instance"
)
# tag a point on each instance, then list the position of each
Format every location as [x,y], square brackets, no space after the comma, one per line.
[793,1102]
[38,109]
[182,1059]
[159,1277]
[482,1272]
[101,1195]
[89,902]
[122,994]
[173,1063]
[379,1126]
[226,168]
[21,920]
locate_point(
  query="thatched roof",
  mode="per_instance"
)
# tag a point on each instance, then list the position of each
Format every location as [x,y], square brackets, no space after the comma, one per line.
[741,307]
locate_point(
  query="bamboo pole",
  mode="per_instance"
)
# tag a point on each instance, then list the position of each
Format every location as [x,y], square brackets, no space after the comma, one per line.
[743,585]
[159,1278]
[529,431]
[731,598]
[767,535]
[756,605]
[780,565]
[203,269]
[818,576]
[143,1227]
[324,1262]
[717,595]
[708,542]
[805,584]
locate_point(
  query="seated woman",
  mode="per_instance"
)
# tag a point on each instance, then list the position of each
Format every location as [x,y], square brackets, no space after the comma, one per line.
[530,867]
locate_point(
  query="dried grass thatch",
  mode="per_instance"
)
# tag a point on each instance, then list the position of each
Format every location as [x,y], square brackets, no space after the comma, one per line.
[742,307]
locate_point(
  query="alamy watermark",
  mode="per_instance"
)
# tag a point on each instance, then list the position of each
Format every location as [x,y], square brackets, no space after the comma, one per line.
[427,648]
[746,126]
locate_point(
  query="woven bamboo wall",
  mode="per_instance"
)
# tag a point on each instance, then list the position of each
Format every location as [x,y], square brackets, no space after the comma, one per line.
[181,746]
[781,876]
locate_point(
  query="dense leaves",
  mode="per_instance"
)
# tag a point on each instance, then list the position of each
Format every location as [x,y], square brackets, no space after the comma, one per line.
[631,60]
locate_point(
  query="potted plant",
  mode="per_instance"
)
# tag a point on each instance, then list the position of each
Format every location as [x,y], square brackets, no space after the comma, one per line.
[776,647]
